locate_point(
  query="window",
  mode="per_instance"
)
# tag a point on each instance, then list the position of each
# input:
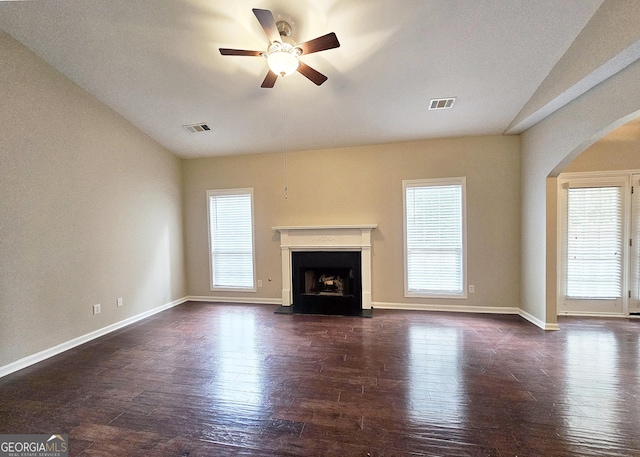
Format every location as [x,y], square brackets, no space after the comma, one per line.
[435,237]
[594,242]
[231,239]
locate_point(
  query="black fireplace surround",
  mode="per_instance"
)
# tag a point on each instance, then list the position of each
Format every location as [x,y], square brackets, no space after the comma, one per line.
[327,282]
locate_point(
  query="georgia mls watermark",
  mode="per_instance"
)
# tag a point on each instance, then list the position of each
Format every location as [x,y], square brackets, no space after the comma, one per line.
[34,446]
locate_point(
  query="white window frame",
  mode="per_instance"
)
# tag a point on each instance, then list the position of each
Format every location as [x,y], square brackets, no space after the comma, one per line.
[220,192]
[591,179]
[456,181]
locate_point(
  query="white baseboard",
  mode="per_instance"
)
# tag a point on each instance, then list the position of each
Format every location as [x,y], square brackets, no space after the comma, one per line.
[239,300]
[537,322]
[447,308]
[53,351]
[469,309]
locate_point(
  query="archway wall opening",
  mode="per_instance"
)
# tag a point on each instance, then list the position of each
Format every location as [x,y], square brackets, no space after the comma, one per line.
[546,149]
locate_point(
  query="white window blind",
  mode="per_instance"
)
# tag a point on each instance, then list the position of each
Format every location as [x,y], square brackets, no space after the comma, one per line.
[434,233]
[231,239]
[594,242]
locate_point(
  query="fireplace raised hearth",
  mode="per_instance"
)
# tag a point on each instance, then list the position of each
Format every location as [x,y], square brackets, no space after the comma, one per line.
[326,269]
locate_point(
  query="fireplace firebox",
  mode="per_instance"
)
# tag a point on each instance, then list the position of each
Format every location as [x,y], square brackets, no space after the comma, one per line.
[327,282]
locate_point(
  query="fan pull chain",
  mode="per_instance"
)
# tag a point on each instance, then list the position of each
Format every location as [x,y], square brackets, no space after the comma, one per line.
[284,134]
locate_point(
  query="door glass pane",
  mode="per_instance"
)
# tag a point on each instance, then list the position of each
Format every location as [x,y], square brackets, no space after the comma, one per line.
[594,242]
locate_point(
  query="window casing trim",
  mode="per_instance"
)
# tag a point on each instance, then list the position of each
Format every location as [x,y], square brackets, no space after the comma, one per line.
[237,191]
[454,181]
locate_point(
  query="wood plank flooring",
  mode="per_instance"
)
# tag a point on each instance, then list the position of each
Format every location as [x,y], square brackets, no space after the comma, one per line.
[207,379]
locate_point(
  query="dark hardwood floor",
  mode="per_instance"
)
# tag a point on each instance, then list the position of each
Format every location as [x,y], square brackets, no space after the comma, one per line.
[218,380]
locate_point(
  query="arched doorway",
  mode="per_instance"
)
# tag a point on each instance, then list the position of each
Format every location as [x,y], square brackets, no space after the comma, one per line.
[598,265]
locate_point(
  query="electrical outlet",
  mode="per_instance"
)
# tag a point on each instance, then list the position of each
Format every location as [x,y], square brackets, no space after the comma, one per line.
[119,302]
[96,309]
[259,282]
[472,288]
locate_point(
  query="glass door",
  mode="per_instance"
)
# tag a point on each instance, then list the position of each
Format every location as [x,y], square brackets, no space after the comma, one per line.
[593,255]
[634,270]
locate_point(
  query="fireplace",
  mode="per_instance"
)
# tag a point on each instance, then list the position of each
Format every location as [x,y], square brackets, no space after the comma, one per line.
[327,282]
[326,269]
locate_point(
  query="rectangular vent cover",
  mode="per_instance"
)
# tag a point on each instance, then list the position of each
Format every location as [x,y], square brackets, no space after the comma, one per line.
[441,103]
[197,128]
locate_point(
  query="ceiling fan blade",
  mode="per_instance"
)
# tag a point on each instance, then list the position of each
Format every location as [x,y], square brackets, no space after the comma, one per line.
[268,23]
[239,52]
[269,80]
[314,75]
[328,41]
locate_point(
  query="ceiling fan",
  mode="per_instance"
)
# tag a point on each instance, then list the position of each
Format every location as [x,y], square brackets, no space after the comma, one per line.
[283,53]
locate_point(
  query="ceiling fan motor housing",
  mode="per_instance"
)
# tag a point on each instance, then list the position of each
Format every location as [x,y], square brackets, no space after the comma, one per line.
[284,28]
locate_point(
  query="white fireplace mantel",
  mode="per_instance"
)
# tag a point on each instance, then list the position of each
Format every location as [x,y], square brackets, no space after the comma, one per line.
[326,238]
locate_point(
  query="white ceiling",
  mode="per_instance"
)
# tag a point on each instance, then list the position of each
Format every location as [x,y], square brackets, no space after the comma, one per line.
[157,64]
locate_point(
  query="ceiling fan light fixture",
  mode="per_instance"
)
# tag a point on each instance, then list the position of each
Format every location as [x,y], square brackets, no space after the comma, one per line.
[282,58]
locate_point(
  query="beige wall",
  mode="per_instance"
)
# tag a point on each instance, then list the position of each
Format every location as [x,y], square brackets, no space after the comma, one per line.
[90,211]
[364,185]
[619,150]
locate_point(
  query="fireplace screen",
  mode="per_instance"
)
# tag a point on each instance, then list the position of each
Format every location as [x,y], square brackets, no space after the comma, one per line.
[324,281]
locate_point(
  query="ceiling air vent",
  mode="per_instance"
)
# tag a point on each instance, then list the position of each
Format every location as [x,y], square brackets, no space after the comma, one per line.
[441,103]
[197,128]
